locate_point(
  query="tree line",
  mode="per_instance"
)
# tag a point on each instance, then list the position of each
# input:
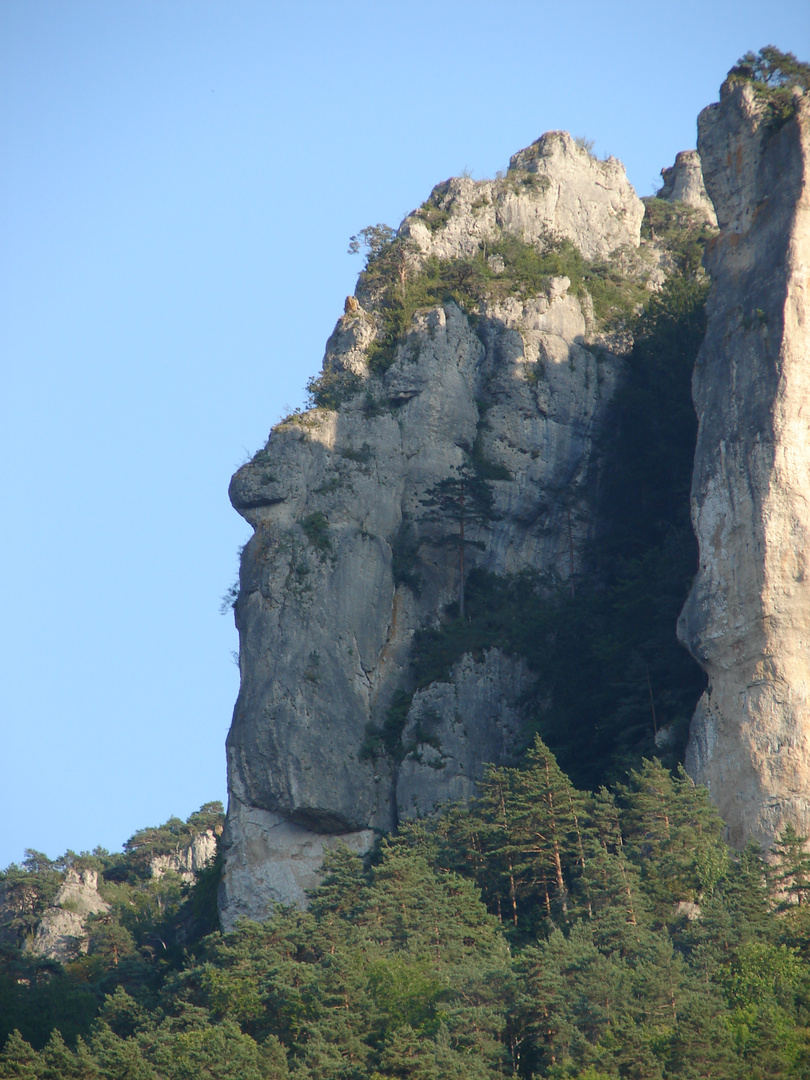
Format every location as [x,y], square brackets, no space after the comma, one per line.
[540,931]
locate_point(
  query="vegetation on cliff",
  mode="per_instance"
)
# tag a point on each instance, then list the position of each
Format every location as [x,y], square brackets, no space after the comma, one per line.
[774,75]
[554,927]
[148,918]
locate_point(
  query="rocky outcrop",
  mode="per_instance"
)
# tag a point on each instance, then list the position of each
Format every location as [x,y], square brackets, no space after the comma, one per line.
[347,562]
[683,182]
[747,619]
[188,859]
[553,188]
[62,933]
[58,929]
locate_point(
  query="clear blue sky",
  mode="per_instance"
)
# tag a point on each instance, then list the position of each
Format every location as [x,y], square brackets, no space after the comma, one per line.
[178,182]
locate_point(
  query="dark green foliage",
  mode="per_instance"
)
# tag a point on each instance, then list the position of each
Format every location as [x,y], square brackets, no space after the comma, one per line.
[331,389]
[791,872]
[604,648]
[361,456]
[37,996]
[146,844]
[774,75]
[405,558]
[607,656]
[456,504]
[466,282]
[646,554]
[388,738]
[543,930]
[539,932]
[373,240]
[135,944]
[316,530]
[683,231]
[431,212]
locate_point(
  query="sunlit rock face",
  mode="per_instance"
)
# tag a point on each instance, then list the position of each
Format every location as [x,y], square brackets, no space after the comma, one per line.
[187,860]
[343,566]
[62,931]
[747,619]
[683,182]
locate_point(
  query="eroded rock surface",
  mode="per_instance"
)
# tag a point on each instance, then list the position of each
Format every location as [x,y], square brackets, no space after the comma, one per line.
[553,188]
[188,859]
[455,726]
[346,563]
[61,933]
[747,619]
[683,182]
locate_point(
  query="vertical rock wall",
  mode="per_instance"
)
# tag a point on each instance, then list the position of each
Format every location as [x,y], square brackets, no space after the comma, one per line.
[747,619]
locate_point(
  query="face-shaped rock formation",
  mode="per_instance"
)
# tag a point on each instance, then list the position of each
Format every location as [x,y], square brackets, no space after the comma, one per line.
[358,508]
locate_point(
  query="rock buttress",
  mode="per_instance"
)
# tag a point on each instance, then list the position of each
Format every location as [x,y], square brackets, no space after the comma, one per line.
[747,618]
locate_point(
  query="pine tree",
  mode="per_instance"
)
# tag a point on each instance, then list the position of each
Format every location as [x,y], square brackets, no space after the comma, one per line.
[791,873]
[19,1059]
[458,503]
[673,834]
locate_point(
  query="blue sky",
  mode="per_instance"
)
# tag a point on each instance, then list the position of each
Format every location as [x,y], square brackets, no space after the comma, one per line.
[178,183]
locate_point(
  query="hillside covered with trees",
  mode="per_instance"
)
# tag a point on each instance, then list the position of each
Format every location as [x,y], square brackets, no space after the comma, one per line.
[543,931]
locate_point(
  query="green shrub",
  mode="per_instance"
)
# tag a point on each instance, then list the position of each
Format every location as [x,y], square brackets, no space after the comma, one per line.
[361,456]
[405,562]
[682,229]
[466,282]
[316,530]
[331,389]
[773,75]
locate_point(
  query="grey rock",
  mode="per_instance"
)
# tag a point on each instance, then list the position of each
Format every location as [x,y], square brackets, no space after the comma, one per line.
[683,182]
[747,616]
[271,860]
[553,189]
[62,932]
[328,608]
[455,728]
[188,859]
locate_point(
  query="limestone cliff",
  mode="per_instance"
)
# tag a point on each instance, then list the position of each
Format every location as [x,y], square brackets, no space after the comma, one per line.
[683,182]
[347,561]
[187,859]
[62,932]
[747,620]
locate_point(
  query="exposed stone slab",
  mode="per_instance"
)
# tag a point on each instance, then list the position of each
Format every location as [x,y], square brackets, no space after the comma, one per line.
[271,860]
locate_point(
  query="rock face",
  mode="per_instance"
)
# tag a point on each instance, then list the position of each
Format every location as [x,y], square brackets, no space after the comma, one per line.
[553,187]
[61,934]
[346,562]
[456,725]
[189,859]
[683,182]
[747,619]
